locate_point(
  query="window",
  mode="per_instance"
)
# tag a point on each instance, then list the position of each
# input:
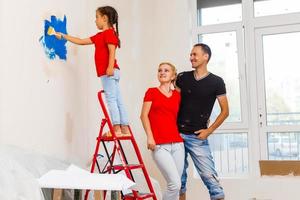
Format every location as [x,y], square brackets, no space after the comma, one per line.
[229,148]
[275,7]
[279,99]
[282,77]
[224,62]
[284,146]
[218,11]
[230,152]
[258,59]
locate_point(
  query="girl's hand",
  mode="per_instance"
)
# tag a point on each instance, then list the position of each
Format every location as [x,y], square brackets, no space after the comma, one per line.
[151,144]
[110,71]
[58,35]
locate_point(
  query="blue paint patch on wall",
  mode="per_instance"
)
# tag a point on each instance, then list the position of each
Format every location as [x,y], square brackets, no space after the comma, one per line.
[54,47]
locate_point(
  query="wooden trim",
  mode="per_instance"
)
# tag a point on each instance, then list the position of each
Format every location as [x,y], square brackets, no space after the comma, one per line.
[57,194]
[98,194]
[279,167]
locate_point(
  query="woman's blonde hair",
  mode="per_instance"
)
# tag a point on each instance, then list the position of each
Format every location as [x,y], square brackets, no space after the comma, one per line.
[173,69]
[171,65]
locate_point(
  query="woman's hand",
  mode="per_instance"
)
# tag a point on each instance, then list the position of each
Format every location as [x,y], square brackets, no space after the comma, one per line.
[151,143]
[110,71]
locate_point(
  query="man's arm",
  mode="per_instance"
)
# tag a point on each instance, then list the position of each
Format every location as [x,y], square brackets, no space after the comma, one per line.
[223,114]
[204,133]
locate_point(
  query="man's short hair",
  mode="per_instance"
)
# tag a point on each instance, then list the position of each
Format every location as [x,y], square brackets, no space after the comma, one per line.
[205,48]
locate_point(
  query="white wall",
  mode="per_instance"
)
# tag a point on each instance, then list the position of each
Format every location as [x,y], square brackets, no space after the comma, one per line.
[52,106]
[43,102]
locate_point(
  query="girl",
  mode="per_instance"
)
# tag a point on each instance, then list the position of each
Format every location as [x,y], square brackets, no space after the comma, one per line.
[107,68]
[159,116]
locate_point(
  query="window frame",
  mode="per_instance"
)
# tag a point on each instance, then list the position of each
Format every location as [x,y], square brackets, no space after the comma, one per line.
[246,31]
[228,27]
[264,129]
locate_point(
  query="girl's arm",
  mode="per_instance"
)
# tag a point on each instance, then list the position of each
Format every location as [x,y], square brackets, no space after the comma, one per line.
[74,40]
[111,59]
[146,124]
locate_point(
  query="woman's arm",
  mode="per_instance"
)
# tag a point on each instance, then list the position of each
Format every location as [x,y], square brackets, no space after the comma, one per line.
[147,126]
[74,40]
[111,59]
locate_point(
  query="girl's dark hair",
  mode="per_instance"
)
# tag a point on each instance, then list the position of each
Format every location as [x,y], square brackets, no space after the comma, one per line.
[112,16]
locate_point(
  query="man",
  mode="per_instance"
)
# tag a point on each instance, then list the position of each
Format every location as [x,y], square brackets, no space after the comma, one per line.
[199,90]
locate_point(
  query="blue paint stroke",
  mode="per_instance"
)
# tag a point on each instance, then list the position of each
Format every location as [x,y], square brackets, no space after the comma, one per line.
[54,47]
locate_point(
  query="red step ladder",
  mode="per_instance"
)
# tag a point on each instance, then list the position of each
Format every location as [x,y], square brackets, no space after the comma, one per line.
[110,166]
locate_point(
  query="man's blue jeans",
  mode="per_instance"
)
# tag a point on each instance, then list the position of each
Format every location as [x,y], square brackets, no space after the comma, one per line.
[113,98]
[202,158]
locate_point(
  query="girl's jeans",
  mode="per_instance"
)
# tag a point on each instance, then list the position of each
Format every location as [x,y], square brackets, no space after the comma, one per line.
[170,161]
[113,97]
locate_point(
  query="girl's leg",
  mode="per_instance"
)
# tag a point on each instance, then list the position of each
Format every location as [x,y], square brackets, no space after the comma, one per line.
[109,84]
[120,103]
[163,156]
[122,111]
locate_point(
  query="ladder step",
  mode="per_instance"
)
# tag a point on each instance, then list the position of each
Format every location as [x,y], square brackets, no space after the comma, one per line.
[105,138]
[140,196]
[130,166]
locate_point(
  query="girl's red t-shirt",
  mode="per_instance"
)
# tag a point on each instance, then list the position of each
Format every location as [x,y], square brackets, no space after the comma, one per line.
[163,115]
[101,40]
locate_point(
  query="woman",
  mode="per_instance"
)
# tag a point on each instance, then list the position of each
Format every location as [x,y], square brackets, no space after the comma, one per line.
[159,116]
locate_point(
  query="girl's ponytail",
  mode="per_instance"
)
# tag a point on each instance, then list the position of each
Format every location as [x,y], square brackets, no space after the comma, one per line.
[117,30]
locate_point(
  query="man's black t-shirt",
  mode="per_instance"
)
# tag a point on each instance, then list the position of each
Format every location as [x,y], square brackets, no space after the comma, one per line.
[197,100]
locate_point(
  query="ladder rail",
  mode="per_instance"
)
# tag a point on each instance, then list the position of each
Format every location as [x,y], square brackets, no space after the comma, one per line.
[139,155]
[131,175]
[121,154]
[114,136]
[95,162]
[98,145]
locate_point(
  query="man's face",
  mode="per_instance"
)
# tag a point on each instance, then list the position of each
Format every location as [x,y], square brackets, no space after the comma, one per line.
[198,57]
